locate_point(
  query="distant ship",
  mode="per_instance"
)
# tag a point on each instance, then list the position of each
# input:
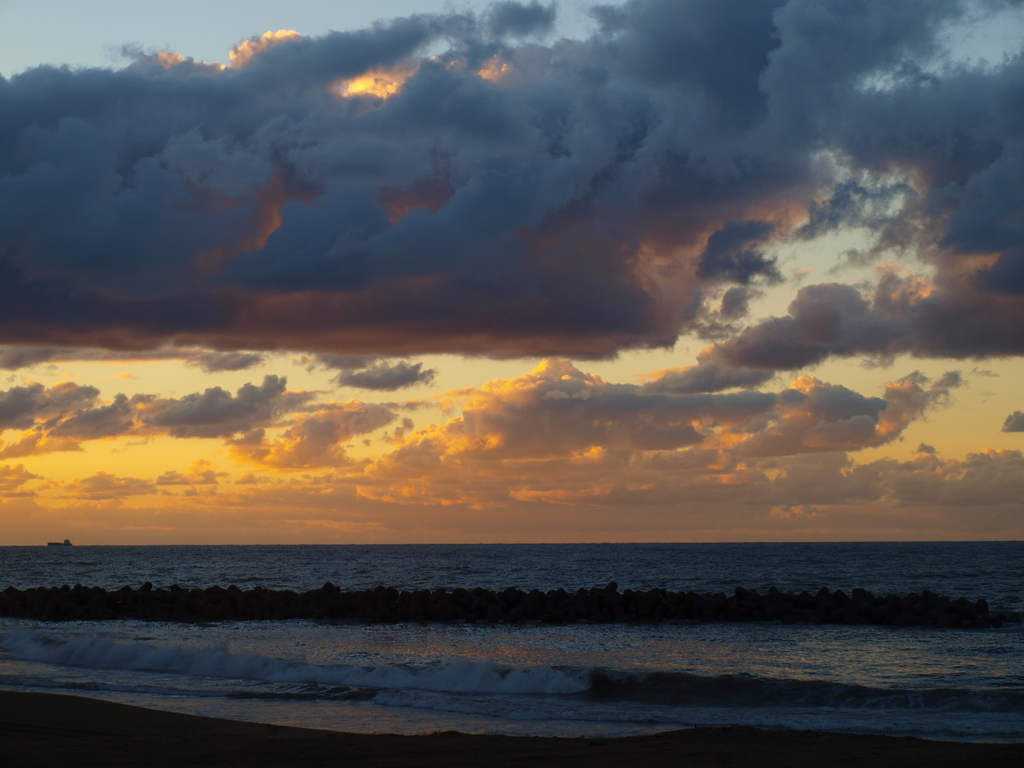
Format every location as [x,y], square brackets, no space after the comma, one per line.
[65,543]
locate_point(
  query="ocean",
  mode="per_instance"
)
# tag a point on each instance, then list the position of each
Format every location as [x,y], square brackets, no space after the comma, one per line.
[557,680]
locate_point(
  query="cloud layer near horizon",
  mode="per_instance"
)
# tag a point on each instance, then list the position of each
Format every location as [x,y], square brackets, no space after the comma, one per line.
[512,198]
[553,427]
[64,416]
[554,437]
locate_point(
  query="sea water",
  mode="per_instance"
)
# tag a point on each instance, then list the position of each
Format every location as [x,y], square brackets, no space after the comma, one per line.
[580,679]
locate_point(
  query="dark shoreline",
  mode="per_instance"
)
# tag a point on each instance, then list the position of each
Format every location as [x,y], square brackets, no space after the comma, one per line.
[45,729]
[511,606]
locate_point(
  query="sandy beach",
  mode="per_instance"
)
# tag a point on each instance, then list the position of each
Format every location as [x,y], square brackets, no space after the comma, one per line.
[40,729]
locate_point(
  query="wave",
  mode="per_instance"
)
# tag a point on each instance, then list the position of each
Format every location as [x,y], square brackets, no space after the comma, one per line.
[664,691]
[95,652]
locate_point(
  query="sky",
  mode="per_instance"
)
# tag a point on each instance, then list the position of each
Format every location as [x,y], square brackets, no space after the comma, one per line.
[663,270]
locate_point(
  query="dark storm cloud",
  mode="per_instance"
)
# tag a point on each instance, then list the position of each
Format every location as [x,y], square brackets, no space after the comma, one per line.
[386,377]
[519,19]
[853,204]
[735,303]
[117,418]
[212,362]
[733,252]
[715,50]
[1007,275]
[217,413]
[578,198]
[950,380]
[13,358]
[21,407]
[901,316]
[62,417]
[1014,422]
[374,374]
[706,378]
[17,357]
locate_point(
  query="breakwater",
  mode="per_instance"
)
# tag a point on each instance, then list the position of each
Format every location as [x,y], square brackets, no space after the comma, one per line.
[512,605]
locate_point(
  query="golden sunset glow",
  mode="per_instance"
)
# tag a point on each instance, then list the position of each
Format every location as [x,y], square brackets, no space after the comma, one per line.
[351,466]
[495,70]
[378,83]
[246,50]
[168,59]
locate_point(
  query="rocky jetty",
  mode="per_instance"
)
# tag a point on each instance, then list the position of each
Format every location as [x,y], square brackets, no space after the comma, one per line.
[510,606]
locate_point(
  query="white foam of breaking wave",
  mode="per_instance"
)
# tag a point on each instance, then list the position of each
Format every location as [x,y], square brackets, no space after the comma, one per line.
[461,676]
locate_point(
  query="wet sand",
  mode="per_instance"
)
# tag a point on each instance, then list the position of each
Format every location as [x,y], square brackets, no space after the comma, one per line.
[40,729]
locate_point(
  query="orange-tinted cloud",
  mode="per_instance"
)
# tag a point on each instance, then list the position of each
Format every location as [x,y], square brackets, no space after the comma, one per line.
[12,480]
[202,472]
[168,59]
[563,436]
[64,416]
[666,496]
[35,443]
[315,441]
[247,50]
[494,69]
[430,193]
[816,416]
[104,486]
[379,83]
